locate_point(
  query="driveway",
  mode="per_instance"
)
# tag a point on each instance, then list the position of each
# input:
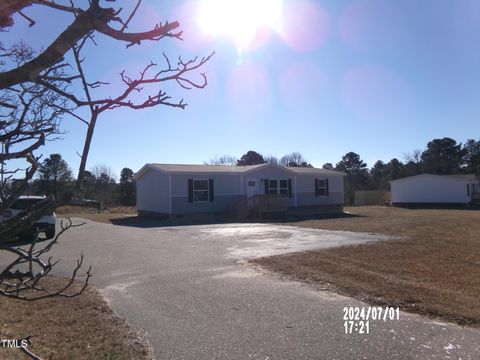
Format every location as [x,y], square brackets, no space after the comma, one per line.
[190,289]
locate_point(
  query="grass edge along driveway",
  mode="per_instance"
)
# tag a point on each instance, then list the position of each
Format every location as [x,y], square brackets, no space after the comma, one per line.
[434,269]
[82,327]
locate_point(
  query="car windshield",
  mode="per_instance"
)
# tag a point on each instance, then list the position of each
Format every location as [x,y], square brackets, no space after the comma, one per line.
[23,204]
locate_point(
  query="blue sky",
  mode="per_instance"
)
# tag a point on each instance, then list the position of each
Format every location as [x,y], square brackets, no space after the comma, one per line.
[378,77]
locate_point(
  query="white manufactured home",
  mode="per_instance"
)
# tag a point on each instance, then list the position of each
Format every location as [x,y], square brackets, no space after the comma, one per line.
[172,189]
[434,189]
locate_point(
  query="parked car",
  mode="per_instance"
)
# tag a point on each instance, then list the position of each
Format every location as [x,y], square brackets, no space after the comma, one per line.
[45,225]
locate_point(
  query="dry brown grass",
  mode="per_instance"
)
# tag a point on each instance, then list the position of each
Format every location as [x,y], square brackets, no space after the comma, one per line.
[91,213]
[82,327]
[434,269]
[70,209]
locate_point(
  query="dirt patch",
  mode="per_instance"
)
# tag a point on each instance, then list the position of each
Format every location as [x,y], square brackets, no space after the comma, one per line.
[434,269]
[82,327]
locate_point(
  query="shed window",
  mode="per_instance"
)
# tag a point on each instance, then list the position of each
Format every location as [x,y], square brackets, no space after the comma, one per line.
[200,190]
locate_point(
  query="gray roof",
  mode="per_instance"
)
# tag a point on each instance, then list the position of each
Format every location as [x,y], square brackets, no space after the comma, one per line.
[187,168]
[313,171]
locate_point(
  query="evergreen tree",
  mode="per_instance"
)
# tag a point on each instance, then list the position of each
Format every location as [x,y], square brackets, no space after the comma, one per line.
[251,158]
[127,187]
[442,157]
[357,175]
[379,176]
[54,175]
[471,157]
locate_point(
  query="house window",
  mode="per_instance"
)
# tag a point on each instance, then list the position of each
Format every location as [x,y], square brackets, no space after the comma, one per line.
[272,186]
[322,187]
[283,188]
[200,190]
[278,187]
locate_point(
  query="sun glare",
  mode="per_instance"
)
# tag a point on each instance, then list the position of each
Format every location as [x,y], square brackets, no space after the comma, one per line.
[239,20]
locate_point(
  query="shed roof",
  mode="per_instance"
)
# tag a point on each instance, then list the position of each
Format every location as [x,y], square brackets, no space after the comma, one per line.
[466,177]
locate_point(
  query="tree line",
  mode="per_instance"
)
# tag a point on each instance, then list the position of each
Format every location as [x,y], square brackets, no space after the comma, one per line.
[441,157]
[255,158]
[55,178]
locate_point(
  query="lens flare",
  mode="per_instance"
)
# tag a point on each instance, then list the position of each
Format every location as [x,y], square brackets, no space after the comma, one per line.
[241,21]
[305,25]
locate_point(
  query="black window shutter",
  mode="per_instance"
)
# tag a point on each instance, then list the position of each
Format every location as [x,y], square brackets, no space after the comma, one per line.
[327,191]
[316,187]
[210,189]
[266,186]
[289,188]
[190,190]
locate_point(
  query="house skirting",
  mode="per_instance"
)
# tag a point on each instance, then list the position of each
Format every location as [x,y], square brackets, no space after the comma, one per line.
[292,211]
[315,210]
[410,205]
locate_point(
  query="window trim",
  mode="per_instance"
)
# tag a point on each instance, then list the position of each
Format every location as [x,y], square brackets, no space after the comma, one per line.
[320,189]
[278,188]
[207,190]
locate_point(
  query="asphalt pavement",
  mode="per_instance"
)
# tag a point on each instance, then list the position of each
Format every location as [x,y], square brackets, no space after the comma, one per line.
[190,289]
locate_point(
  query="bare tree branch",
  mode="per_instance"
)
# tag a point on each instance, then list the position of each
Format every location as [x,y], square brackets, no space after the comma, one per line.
[132,14]
[21,279]
[94,18]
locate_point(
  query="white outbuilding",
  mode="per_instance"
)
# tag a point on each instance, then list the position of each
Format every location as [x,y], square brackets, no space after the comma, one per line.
[434,189]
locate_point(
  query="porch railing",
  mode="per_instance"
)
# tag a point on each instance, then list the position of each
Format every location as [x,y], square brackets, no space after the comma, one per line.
[476,198]
[258,205]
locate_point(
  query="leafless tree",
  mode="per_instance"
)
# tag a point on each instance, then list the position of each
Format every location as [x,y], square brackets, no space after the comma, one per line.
[102,169]
[271,159]
[81,33]
[222,160]
[294,159]
[36,92]
[151,75]
[30,118]
[22,277]
[85,23]
[415,156]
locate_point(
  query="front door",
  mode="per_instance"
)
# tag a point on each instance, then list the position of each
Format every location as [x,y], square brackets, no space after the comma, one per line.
[251,187]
